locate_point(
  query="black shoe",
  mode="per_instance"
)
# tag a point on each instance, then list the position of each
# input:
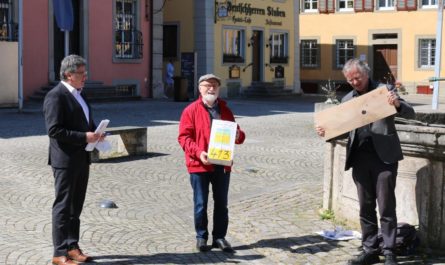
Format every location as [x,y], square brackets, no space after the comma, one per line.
[222,244]
[365,259]
[201,245]
[390,259]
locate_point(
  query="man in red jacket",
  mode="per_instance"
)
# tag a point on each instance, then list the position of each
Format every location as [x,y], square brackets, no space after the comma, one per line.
[194,135]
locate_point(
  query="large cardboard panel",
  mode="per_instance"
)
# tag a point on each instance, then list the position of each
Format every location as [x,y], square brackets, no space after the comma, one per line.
[355,113]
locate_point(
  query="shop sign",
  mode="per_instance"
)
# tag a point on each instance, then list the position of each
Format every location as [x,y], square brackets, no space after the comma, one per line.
[242,12]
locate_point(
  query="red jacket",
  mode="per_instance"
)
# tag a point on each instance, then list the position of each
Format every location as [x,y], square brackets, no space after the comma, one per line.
[194,133]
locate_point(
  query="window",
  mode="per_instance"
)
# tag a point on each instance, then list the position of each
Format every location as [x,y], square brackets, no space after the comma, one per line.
[8,29]
[427,53]
[233,51]
[278,43]
[364,5]
[386,4]
[429,3]
[326,6]
[128,40]
[406,5]
[309,53]
[344,50]
[170,42]
[310,6]
[345,5]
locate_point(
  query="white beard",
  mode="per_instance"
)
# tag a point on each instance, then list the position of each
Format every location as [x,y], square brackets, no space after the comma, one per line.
[210,99]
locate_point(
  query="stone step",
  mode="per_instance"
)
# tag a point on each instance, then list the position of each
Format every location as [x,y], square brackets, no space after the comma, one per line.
[94,90]
[265,89]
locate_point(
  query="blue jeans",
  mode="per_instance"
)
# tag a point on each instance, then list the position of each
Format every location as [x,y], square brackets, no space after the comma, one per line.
[220,188]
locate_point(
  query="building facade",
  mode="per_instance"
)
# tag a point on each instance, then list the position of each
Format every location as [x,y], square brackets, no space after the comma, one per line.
[244,42]
[396,38]
[114,36]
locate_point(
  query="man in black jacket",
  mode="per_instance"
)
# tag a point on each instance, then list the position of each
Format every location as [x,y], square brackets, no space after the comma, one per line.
[70,127]
[373,152]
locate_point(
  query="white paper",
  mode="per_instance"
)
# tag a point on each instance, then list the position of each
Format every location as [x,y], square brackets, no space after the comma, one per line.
[103,146]
[100,129]
[222,142]
[340,234]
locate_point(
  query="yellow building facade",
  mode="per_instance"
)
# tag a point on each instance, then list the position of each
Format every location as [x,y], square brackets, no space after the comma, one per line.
[397,39]
[250,44]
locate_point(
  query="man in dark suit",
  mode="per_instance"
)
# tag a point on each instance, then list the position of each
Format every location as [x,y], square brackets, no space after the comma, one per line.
[70,127]
[373,152]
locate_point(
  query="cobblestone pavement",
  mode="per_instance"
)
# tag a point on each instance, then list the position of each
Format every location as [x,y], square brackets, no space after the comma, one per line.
[275,192]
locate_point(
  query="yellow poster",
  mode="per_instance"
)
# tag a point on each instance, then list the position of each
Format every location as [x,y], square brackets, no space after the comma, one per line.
[222,142]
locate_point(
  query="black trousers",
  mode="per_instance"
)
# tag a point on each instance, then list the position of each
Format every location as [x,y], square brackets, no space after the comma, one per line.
[70,190]
[376,182]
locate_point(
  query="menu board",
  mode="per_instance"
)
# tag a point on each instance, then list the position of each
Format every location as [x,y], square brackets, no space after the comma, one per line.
[188,71]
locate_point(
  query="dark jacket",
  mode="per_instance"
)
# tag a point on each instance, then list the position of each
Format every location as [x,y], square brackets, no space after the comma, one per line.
[66,126]
[383,132]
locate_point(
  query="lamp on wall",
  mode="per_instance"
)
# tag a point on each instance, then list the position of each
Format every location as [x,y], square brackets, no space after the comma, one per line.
[269,43]
[251,41]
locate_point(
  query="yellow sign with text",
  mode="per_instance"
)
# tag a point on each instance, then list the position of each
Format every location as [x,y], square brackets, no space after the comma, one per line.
[222,142]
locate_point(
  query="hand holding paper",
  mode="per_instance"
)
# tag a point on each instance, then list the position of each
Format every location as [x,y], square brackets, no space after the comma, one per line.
[100,130]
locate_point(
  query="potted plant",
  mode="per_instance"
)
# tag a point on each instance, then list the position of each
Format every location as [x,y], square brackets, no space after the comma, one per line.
[331,92]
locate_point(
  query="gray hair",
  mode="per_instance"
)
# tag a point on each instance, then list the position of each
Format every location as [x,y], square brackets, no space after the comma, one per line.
[355,63]
[70,64]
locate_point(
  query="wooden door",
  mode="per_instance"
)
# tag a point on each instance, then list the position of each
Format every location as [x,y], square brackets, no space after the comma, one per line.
[385,63]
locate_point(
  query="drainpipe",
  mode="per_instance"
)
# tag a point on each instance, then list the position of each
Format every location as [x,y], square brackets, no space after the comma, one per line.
[437,60]
[149,18]
[20,54]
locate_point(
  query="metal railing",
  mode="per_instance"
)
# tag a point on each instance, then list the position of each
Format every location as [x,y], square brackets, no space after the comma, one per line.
[129,44]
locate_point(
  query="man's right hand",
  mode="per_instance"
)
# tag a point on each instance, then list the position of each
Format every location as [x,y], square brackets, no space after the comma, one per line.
[94,137]
[204,158]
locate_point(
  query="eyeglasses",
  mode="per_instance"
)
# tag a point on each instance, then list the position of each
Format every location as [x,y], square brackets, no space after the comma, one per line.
[85,73]
[208,86]
[358,79]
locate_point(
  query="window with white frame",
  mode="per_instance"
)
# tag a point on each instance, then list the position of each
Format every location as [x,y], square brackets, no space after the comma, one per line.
[309,53]
[128,39]
[310,5]
[386,4]
[278,43]
[344,50]
[427,53]
[346,5]
[429,3]
[233,40]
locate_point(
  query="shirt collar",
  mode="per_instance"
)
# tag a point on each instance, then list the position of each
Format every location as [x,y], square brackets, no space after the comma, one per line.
[72,90]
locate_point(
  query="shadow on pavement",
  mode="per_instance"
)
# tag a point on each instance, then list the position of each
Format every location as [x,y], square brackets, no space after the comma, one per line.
[299,245]
[174,258]
[127,158]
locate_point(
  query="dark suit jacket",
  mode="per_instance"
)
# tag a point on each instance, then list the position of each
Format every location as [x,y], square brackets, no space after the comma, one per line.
[383,132]
[66,126]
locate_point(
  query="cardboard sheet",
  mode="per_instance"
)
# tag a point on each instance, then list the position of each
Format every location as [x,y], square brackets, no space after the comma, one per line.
[355,113]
